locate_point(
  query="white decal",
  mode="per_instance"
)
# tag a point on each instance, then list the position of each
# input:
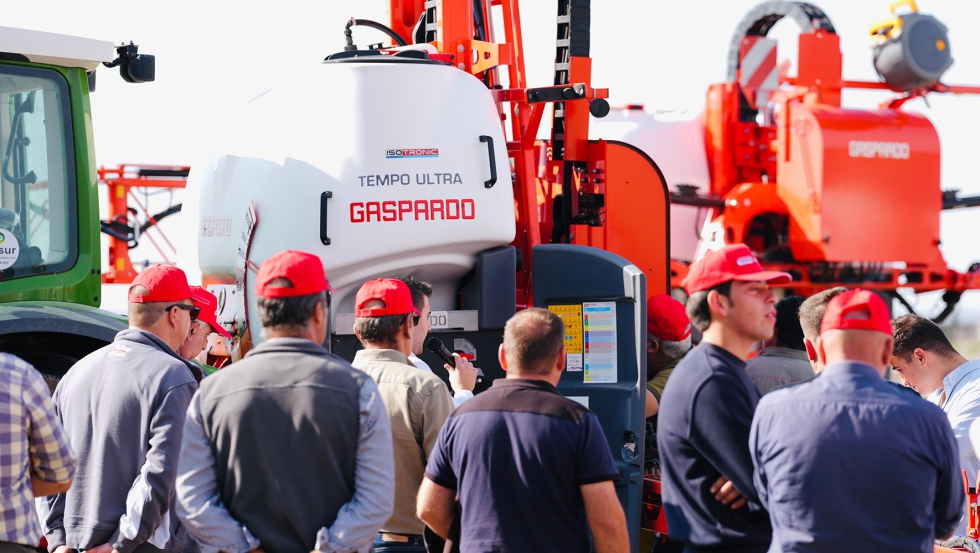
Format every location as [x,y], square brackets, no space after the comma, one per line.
[118,351]
[745,260]
[884,150]
[9,249]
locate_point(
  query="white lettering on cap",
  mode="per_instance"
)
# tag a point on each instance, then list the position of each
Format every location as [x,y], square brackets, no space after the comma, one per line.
[745,260]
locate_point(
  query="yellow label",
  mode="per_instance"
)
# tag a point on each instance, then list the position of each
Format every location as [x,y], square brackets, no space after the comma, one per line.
[120,191]
[120,265]
[571,315]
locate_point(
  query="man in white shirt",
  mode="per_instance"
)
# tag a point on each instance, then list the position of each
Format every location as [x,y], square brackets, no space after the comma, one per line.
[462,379]
[927,363]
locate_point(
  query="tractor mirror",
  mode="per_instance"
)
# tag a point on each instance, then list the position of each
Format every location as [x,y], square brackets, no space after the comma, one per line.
[142,69]
[133,66]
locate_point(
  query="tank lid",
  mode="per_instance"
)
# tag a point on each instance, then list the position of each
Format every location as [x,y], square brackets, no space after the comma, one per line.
[374,56]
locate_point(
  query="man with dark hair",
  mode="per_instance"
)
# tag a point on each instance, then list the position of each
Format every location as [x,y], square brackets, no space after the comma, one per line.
[462,377]
[290,449]
[782,359]
[707,407]
[848,461]
[123,408]
[929,364]
[521,458]
[811,315]
[418,402]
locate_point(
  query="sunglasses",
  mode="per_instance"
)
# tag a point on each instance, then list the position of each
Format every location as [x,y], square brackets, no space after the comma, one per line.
[415,318]
[195,311]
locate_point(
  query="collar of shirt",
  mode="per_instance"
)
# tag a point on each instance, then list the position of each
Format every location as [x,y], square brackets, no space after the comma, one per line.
[853,368]
[149,339]
[525,383]
[385,355]
[963,374]
[287,344]
[783,352]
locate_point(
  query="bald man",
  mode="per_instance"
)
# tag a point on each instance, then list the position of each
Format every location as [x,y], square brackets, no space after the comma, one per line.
[848,461]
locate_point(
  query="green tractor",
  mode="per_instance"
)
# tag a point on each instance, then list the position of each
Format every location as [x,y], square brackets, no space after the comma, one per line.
[50,262]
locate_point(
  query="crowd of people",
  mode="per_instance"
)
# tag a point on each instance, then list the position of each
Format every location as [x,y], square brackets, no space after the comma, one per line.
[799,446]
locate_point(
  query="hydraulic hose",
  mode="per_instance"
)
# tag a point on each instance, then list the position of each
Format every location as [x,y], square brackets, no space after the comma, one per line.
[349,35]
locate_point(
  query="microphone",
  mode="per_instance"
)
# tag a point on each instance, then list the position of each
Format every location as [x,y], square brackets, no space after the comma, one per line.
[437,347]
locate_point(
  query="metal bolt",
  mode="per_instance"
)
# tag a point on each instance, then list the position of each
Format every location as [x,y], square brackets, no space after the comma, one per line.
[826,239]
[461,66]
[460,48]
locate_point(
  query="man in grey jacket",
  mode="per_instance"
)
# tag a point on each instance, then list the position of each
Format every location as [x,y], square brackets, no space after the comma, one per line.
[123,407]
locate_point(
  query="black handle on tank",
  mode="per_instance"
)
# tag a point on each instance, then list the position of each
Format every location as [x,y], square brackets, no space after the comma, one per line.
[493,162]
[323,217]
[437,347]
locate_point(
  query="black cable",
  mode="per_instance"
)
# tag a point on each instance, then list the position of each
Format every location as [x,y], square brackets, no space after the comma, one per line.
[349,35]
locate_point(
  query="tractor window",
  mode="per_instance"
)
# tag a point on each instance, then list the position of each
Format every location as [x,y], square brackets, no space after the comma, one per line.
[37,175]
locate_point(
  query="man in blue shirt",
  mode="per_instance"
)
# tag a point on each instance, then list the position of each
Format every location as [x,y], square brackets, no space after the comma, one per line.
[707,407]
[928,364]
[848,461]
[532,470]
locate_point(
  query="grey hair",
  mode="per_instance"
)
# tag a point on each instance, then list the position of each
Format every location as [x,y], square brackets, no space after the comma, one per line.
[672,350]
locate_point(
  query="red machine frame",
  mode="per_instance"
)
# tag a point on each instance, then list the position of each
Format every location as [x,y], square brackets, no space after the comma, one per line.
[121,180]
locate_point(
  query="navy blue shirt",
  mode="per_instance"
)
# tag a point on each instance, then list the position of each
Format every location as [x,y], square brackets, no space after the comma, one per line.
[703,433]
[850,462]
[516,455]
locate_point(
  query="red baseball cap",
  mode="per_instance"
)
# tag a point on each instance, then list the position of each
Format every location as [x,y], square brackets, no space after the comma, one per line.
[395,294]
[857,310]
[733,262]
[303,269]
[209,308]
[667,319]
[165,283]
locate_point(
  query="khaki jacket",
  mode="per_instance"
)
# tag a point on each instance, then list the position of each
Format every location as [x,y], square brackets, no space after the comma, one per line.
[418,405]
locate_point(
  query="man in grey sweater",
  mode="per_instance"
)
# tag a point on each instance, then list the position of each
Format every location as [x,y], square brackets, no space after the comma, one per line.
[289,449]
[123,407]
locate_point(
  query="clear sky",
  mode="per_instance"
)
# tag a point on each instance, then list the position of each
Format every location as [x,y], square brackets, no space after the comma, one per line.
[214,55]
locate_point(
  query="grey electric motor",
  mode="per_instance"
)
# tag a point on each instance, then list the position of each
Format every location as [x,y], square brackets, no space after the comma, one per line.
[914,53]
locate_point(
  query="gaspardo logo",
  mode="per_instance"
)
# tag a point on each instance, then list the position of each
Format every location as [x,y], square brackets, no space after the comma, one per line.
[2,238]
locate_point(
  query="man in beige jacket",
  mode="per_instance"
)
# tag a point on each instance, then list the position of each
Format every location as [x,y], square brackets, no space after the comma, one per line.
[418,403]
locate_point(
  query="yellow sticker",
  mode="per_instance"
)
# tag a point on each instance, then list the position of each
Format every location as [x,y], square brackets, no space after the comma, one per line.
[571,315]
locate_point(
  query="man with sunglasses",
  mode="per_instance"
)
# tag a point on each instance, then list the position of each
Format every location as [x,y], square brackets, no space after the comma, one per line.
[123,407]
[418,402]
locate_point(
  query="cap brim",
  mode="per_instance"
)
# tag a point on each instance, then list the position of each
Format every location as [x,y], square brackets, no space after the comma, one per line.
[772,277]
[220,330]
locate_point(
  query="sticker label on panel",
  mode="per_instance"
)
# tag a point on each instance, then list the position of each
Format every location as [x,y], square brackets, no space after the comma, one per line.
[599,320]
[9,249]
[571,315]
[439,320]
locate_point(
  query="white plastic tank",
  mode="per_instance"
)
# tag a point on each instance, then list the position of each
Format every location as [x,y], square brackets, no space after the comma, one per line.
[397,144]
[675,141]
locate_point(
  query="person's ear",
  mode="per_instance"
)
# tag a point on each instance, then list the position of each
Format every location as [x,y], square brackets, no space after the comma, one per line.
[920,355]
[811,351]
[319,313]
[502,357]
[173,316]
[407,328]
[821,354]
[560,361]
[653,346]
[717,303]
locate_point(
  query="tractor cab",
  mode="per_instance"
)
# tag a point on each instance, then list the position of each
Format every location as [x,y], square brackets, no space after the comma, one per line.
[49,228]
